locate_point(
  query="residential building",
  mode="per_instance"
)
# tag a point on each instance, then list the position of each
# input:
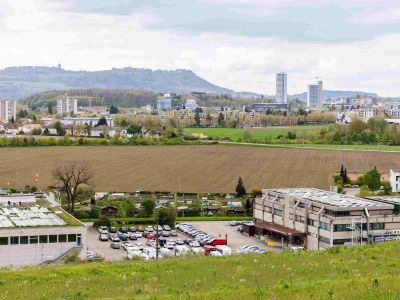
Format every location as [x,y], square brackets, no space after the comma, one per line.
[8,110]
[85,120]
[67,106]
[315,95]
[281,88]
[320,219]
[33,235]
[395,181]
[263,107]
[164,103]
[191,104]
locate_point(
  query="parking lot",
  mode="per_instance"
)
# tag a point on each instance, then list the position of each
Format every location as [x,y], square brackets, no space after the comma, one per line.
[216,228]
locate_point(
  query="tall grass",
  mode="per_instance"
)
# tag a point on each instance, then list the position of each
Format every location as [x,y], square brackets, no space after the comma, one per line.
[370,272]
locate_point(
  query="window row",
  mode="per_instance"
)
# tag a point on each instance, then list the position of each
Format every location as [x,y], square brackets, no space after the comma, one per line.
[40,239]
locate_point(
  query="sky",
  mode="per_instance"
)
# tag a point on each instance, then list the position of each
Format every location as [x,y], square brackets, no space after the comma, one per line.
[237,44]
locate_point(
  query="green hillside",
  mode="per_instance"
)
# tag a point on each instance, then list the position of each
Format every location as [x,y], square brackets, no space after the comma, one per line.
[370,272]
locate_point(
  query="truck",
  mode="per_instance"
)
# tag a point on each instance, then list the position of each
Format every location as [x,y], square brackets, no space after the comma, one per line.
[218,241]
[225,250]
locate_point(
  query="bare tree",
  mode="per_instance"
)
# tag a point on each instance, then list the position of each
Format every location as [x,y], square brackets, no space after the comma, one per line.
[69,177]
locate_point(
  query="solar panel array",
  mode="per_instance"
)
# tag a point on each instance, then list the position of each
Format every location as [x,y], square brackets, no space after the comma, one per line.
[29,217]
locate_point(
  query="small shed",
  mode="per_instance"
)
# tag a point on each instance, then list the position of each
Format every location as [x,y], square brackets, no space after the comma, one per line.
[109,211]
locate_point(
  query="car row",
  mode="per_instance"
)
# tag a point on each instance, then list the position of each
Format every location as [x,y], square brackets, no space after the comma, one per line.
[202,237]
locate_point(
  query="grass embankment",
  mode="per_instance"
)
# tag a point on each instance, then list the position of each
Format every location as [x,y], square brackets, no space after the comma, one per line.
[178,219]
[370,272]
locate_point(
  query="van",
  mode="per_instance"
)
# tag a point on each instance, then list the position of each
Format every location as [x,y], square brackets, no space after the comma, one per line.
[225,250]
[218,241]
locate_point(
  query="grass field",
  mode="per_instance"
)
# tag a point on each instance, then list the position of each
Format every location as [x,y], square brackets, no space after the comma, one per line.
[370,272]
[258,133]
[209,168]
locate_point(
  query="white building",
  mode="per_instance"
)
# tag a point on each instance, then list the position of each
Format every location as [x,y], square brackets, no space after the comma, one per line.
[315,95]
[8,110]
[281,88]
[164,103]
[17,199]
[82,121]
[191,104]
[34,235]
[395,181]
[67,106]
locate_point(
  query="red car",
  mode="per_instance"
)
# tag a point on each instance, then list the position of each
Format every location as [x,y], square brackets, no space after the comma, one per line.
[151,236]
[218,241]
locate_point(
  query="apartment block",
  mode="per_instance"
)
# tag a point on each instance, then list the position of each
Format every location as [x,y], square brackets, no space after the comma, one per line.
[67,106]
[8,110]
[318,219]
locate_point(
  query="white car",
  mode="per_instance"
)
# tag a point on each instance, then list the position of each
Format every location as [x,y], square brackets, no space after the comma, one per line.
[170,245]
[125,245]
[225,250]
[182,250]
[134,254]
[215,253]
[165,252]
[198,250]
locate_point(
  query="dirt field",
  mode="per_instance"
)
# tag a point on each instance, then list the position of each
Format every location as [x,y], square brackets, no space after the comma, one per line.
[201,168]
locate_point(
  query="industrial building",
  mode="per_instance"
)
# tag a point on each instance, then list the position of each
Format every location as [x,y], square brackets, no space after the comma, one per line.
[32,234]
[318,219]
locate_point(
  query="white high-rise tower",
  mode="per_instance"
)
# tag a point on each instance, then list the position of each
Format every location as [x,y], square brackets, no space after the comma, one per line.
[281,88]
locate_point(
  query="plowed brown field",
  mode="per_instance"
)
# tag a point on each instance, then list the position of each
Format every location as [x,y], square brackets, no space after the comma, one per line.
[201,168]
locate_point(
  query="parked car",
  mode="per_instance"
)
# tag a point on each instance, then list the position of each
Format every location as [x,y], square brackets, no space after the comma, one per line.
[218,241]
[103,237]
[225,250]
[134,253]
[132,229]
[165,252]
[166,227]
[115,245]
[209,248]
[182,250]
[123,236]
[215,253]
[170,245]
[166,233]
[102,228]
[125,245]
[173,233]
[132,236]
[113,230]
[116,239]
[123,230]
[140,228]
[179,242]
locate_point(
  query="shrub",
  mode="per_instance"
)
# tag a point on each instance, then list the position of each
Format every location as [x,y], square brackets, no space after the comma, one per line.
[103,221]
[81,214]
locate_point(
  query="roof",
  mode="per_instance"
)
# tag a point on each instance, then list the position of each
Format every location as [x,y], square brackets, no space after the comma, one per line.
[329,198]
[279,229]
[30,217]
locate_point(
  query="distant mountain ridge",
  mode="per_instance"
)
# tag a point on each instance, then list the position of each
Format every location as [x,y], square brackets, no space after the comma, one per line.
[18,82]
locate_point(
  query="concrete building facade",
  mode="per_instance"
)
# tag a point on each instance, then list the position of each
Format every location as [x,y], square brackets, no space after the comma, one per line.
[67,106]
[320,219]
[281,88]
[315,95]
[8,110]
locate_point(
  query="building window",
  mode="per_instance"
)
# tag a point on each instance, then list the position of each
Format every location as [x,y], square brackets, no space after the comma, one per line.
[310,222]
[71,238]
[23,240]
[341,227]
[377,226]
[62,238]
[33,239]
[325,226]
[14,240]
[3,240]
[52,238]
[43,239]
[325,239]
[341,241]
[278,212]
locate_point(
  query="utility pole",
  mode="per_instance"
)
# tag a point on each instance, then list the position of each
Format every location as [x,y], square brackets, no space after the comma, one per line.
[156,238]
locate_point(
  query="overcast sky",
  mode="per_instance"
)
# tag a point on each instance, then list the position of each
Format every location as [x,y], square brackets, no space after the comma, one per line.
[238,44]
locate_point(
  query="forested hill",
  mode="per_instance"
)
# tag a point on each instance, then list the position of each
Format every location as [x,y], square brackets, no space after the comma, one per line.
[19,82]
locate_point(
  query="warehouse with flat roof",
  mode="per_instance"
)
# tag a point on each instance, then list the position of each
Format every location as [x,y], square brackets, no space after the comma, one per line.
[33,234]
[318,219]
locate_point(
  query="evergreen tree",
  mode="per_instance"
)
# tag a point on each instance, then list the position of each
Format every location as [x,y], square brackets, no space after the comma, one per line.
[240,189]
[197,118]
[50,108]
[102,121]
